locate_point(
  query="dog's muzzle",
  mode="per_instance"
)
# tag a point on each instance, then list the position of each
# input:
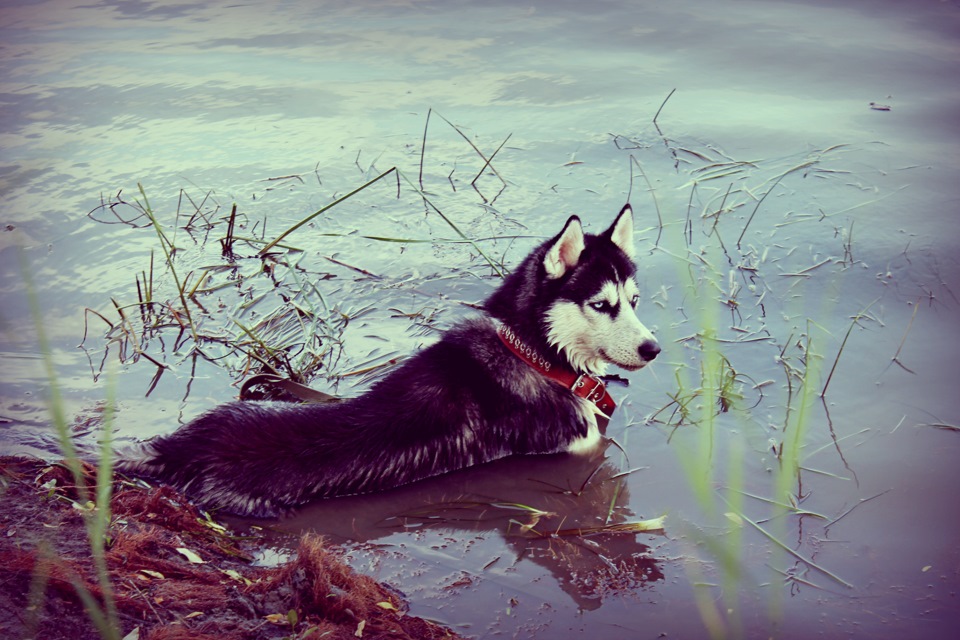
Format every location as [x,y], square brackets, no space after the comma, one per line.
[649,350]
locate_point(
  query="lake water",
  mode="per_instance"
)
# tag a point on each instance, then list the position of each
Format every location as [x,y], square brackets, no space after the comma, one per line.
[798,230]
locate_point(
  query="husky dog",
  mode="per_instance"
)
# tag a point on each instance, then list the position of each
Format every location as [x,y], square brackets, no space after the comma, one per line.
[520,379]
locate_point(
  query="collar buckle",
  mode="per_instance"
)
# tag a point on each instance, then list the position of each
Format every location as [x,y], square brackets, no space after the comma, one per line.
[583,385]
[589,388]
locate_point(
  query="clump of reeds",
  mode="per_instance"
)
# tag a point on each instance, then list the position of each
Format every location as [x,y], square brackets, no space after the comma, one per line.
[297,339]
[729,283]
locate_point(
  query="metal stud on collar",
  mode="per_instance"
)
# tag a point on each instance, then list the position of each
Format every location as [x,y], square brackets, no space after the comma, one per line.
[595,393]
[526,350]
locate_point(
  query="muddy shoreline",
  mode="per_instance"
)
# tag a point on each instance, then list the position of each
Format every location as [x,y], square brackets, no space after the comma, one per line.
[174,572]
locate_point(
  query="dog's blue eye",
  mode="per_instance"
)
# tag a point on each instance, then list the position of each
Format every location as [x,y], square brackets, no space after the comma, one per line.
[634,301]
[601,306]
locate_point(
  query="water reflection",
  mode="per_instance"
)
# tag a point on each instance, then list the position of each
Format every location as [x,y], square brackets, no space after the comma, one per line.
[565,513]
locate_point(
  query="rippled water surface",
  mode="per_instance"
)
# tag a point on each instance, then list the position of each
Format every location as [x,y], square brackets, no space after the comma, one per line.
[796,204]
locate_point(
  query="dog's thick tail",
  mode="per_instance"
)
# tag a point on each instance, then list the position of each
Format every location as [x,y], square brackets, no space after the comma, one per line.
[136,460]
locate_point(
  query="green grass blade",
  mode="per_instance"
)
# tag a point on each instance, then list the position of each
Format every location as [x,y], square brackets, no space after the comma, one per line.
[452,225]
[313,215]
[836,361]
[796,554]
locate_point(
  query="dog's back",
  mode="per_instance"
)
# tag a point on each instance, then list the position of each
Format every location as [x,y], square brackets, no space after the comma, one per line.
[459,402]
[472,397]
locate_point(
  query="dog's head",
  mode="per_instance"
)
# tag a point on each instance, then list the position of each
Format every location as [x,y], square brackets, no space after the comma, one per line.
[593,319]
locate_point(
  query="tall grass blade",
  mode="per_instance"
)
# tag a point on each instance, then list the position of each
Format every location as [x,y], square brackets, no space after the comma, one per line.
[168,251]
[96,520]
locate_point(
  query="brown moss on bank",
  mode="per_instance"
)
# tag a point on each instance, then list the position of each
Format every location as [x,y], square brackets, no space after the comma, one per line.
[174,573]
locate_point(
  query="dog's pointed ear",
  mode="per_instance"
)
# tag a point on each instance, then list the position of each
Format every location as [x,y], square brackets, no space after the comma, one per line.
[621,231]
[564,253]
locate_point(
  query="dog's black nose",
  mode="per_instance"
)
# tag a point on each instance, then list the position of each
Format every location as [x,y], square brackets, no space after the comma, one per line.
[649,350]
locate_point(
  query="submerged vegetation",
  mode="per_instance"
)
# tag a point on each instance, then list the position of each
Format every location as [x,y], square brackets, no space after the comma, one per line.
[271,314]
[223,289]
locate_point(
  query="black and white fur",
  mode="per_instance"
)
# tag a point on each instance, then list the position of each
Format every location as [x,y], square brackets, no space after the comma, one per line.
[459,402]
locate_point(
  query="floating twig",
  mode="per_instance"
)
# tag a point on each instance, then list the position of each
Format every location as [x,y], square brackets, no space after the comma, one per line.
[423,146]
[896,356]
[847,512]
[796,554]
[756,208]
[662,104]
[652,195]
[836,360]
[313,215]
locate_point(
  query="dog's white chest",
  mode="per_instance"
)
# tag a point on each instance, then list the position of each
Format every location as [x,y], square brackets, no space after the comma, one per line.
[590,442]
